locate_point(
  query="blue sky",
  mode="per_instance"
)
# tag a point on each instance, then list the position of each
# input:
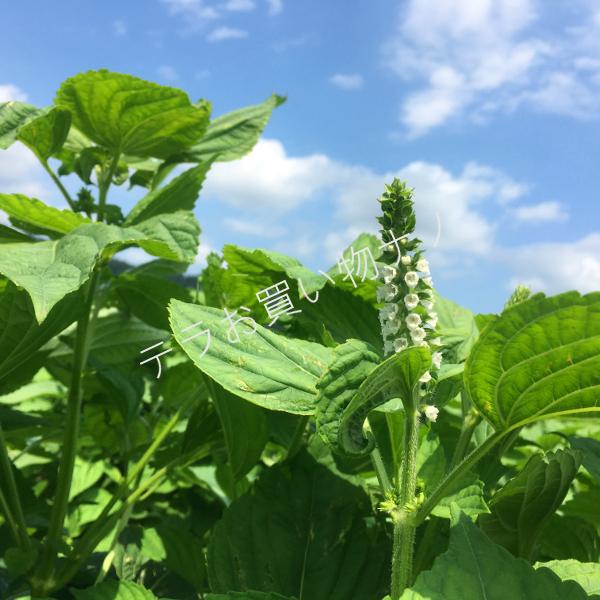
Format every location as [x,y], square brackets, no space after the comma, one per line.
[489,109]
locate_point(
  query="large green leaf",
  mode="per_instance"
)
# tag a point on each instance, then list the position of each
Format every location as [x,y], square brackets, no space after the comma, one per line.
[179,194]
[42,216]
[265,368]
[477,569]
[523,506]
[234,134]
[590,449]
[587,575]
[300,532]
[540,358]
[114,590]
[13,115]
[20,334]
[247,596]
[245,429]
[457,327]
[50,270]
[46,134]
[352,362]
[396,377]
[131,116]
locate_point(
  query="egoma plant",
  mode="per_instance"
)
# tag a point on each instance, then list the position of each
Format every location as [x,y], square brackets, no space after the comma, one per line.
[161,439]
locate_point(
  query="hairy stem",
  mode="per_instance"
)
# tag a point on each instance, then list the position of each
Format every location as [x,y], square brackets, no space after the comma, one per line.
[105,182]
[10,500]
[58,183]
[455,474]
[404,527]
[70,442]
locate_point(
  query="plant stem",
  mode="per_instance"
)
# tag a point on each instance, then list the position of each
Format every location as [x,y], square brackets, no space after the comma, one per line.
[58,183]
[455,474]
[70,440]
[404,526]
[105,184]
[10,498]
[381,472]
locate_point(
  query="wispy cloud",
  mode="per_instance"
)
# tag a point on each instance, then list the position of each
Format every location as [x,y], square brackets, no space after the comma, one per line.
[119,28]
[9,92]
[275,6]
[167,73]
[221,34]
[466,59]
[239,5]
[543,212]
[347,81]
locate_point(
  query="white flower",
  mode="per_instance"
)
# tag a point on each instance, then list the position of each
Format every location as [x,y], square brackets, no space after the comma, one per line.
[417,334]
[413,320]
[389,273]
[400,344]
[427,305]
[426,377]
[388,347]
[431,412]
[411,301]
[422,343]
[423,265]
[433,320]
[436,359]
[411,279]
[406,260]
[390,327]
[389,311]
[428,281]
[386,292]
[436,341]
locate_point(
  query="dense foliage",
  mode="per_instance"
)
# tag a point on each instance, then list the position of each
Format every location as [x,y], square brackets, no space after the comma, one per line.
[269,433]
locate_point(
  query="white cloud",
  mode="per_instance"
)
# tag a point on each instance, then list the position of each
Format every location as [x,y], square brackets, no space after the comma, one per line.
[262,229]
[10,92]
[269,180]
[352,81]
[239,5]
[226,33]
[119,28]
[195,13]
[21,173]
[473,59]
[275,6]
[167,73]
[544,212]
[557,267]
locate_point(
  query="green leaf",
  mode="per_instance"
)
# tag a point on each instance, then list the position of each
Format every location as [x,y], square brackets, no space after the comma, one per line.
[396,377]
[234,134]
[540,358]
[128,115]
[13,115]
[457,327]
[267,369]
[299,532]
[247,596]
[20,334]
[9,235]
[50,270]
[114,590]
[179,194]
[523,506]
[587,575]
[477,569]
[590,449]
[244,427]
[46,134]
[42,216]
[178,550]
[85,475]
[351,364]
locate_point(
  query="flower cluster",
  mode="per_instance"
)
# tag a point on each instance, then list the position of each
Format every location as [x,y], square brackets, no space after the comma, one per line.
[406,315]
